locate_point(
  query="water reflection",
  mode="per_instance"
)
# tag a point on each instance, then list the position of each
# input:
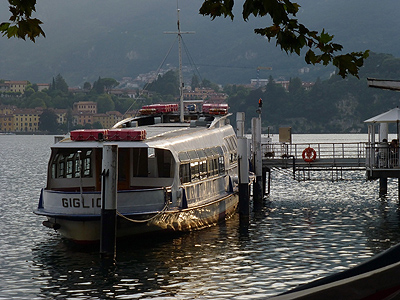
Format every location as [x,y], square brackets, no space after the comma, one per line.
[286,244]
[305,231]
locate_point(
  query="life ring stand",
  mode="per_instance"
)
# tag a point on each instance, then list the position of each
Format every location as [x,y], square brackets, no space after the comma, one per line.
[309,154]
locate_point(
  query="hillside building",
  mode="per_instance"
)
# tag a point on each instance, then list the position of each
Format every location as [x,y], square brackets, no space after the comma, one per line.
[85,107]
[26,120]
[108,119]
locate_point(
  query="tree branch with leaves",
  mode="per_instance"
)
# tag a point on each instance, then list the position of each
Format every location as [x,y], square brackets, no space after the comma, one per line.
[21,24]
[289,34]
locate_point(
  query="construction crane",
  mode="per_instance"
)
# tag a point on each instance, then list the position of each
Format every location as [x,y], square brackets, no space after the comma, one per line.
[258,73]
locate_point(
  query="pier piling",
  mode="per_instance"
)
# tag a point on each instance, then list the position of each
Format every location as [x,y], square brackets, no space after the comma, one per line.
[244,194]
[383,186]
[108,230]
[257,162]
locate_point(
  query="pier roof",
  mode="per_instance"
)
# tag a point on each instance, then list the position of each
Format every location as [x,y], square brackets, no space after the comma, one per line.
[391,116]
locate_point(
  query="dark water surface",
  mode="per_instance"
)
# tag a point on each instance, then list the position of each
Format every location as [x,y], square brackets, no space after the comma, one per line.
[307,230]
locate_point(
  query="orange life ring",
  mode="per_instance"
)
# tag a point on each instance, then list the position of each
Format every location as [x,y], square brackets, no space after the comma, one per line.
[309,154]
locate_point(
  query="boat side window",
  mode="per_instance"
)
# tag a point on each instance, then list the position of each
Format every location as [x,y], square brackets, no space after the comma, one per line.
[61,166]
[212,166]
[184,172]
[203,169]
[221,165]
[69,165]
[232,146]
[77,168]
[54,166]
[87,163]
[164,162]
[194,170]
[139,162]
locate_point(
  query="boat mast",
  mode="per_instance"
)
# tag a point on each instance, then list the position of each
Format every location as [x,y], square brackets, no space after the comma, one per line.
[179,33]
[182,118]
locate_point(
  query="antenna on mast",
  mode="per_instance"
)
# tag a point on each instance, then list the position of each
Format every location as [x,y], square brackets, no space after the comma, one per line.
[179,34]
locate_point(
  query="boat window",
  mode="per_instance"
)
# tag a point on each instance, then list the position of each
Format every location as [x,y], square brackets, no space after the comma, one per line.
[123,167]
[139,162]
[203,169]
[87,164]
[201,153]
[61,166]
[193,154]
[54,166]
[77,167]
[194,170]
[209,152]
[183,156]
[68,163]
[229,143]
[164,162]
[221,165]
[234,142]
[184,172]
[212,167]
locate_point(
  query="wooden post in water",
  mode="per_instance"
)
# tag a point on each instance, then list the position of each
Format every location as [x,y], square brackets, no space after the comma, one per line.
[382,186]
[244,194]
[109,183]
[398,190]
[257,158]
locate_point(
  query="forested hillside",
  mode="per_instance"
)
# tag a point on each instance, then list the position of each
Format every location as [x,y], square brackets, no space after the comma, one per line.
[332,106]
[335,105]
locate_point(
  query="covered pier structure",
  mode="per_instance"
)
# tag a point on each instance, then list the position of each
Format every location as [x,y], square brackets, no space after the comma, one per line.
[378,157]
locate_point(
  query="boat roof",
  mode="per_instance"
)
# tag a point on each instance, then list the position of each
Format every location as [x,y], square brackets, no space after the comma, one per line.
[157,134]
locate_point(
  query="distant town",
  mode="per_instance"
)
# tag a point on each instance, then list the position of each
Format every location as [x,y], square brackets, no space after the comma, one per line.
[15,120]
[84,114]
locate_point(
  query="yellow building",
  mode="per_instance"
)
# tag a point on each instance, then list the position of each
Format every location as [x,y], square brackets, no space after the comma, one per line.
[6,123]
[17,86]
[108,119]
[85,107]
[26,120]
[7,118]
[61,115]
[83,118]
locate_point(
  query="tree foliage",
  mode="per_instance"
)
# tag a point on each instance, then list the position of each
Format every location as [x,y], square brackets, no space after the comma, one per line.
[21,24]
[48,121]
[289,34]
[104,84]
[166,85]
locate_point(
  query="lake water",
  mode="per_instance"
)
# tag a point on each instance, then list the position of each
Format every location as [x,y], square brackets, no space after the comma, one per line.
[306,230]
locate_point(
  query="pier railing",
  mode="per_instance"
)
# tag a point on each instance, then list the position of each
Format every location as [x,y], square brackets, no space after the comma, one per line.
[382,156]
[376,158]
[331,151]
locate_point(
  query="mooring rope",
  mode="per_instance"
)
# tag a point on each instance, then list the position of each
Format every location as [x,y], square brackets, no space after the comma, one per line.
[146,220]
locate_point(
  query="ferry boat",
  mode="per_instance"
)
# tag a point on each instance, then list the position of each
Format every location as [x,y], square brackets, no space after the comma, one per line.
[172,175]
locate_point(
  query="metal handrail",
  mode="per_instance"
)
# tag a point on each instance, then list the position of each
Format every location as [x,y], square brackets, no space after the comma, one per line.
[323,150]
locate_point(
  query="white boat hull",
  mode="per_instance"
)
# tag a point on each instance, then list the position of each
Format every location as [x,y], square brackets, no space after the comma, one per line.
[194,218]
